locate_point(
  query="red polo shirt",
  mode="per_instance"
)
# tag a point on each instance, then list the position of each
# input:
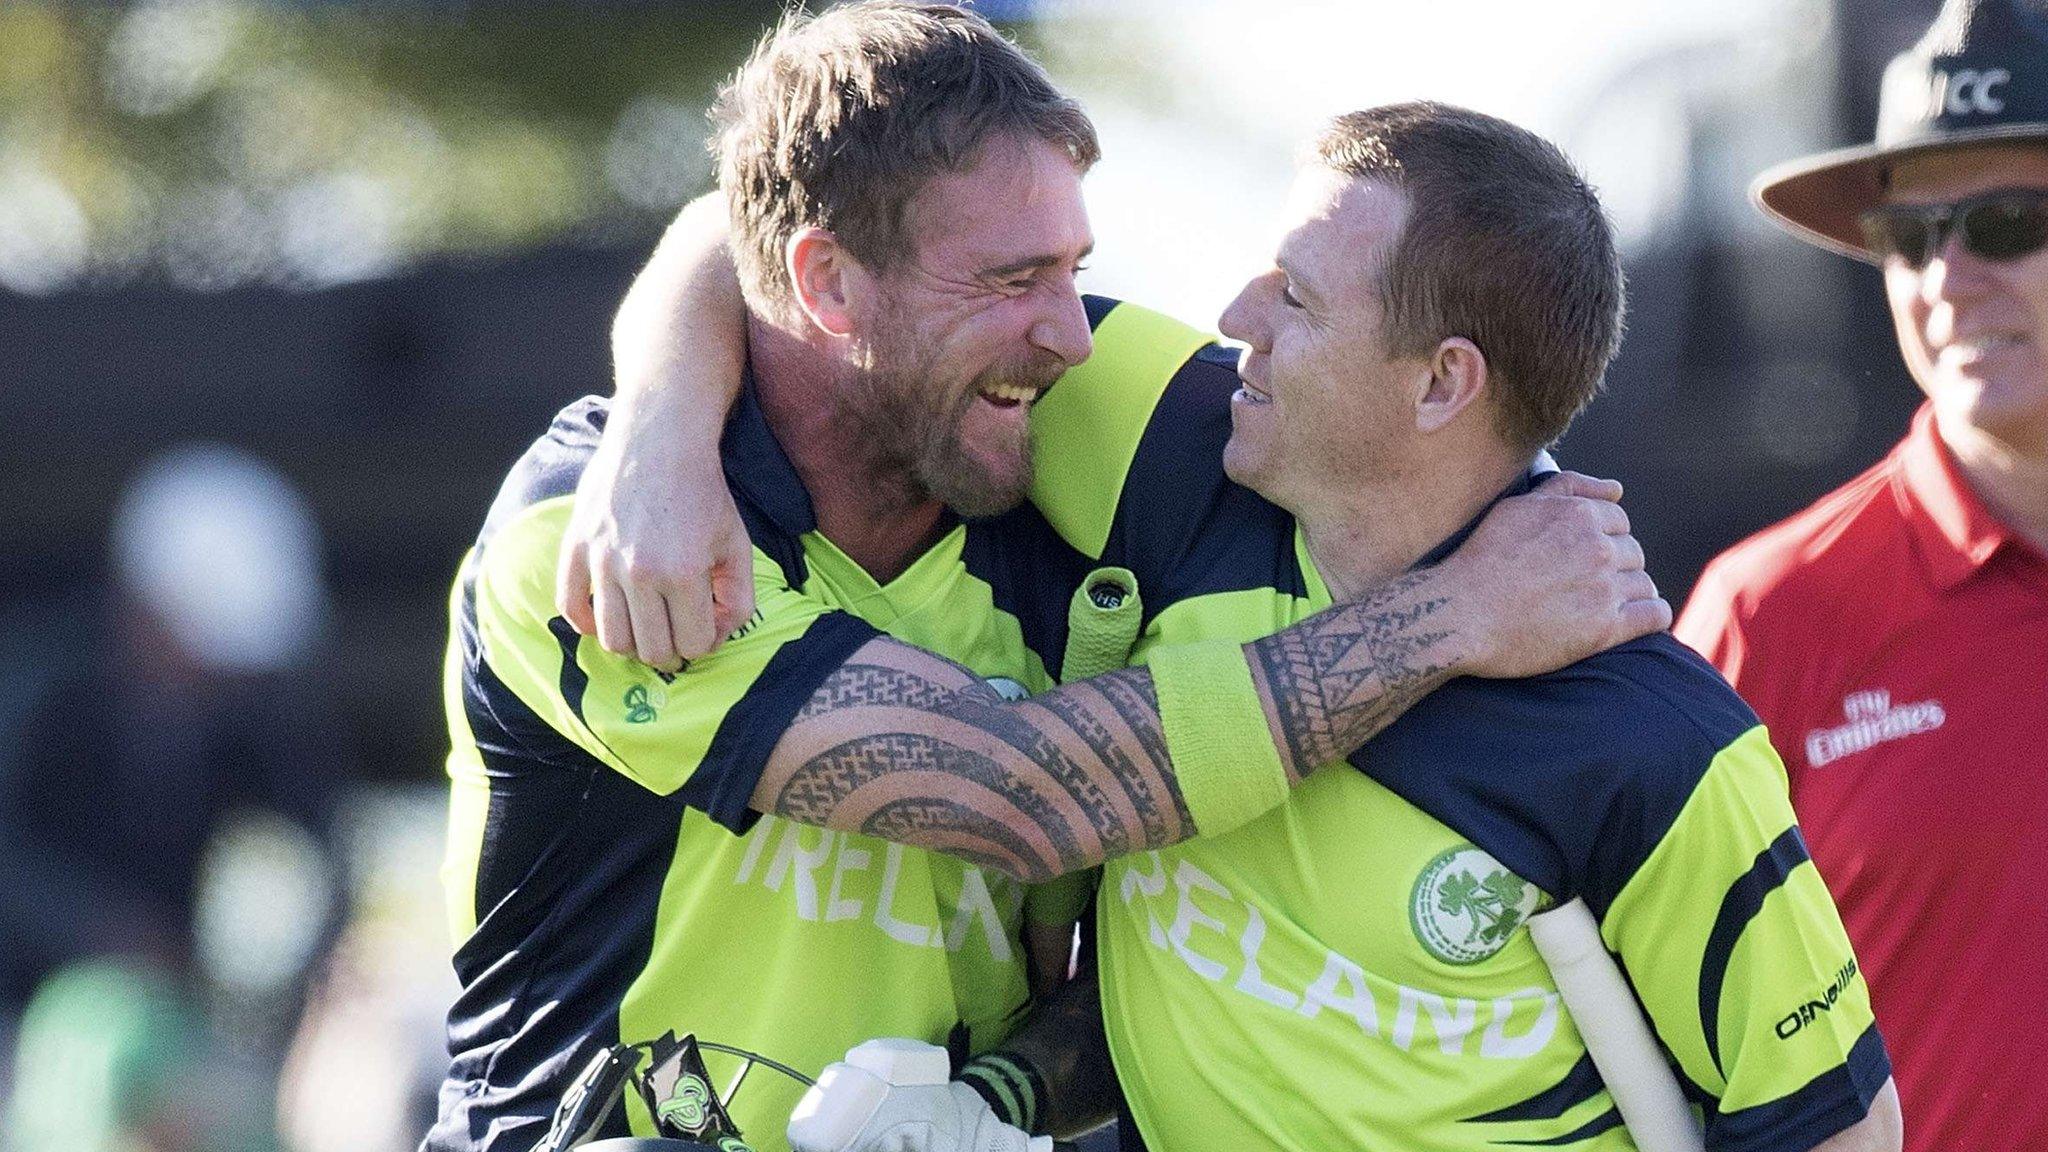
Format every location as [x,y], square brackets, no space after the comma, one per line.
[1894,636]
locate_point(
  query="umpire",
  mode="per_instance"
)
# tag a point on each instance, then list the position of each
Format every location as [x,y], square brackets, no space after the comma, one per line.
[1895,634]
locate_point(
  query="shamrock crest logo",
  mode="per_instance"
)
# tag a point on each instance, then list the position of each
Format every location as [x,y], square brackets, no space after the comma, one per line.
[1465,905]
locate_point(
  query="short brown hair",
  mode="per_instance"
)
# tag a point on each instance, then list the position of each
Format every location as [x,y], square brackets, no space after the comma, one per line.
[1504,244]
[839,120]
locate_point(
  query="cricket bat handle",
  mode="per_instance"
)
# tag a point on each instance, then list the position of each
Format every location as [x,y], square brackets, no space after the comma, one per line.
[1617,1037]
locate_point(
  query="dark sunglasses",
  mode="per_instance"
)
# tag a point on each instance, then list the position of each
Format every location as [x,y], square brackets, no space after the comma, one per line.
[2003,225]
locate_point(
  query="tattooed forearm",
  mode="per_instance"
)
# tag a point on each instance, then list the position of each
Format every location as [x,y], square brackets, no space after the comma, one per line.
[1145,774]
[864,684]
[953,828]
[903,745]
[922,789]
[1334,681]
[1082,774]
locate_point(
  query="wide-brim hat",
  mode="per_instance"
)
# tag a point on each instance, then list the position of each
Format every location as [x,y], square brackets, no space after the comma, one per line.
[1979,76]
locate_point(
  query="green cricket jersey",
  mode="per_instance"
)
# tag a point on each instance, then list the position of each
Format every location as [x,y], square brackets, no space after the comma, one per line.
[1349,970]
[606,880]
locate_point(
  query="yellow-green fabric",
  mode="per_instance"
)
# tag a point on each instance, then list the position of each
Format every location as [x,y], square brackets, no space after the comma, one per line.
[1216,730]
[606,877]
[1085,430]
[1349,970]
[653,728]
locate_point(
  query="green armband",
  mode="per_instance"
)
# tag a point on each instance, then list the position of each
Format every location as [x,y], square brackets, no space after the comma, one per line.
[1217,735]
[1011,1087]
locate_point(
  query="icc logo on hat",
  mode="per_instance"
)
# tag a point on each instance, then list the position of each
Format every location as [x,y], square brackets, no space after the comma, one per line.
[1978,76]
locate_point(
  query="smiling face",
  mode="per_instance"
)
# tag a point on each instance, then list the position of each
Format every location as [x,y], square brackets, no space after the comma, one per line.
[1324,397]
[959,340]
[1974,332]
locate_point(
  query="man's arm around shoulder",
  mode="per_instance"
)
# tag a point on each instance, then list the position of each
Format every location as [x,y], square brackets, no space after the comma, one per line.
[905,745]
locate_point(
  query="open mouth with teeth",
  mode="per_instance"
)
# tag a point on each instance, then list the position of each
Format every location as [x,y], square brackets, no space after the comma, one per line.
[1009,395]
[1251,395]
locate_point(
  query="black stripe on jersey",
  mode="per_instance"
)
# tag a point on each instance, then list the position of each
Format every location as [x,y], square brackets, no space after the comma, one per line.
[739,750]
[1579,1085]
[1183,527]
[786,550]
[523,820]
[773,502]
[1098,309]
[999,550]
[524,755]
[499,721]
[1606,1121]
[574,679]
[551,466]
[568,882]
[1128,1138]
[1830,1102]
[550,963]
[1743,900]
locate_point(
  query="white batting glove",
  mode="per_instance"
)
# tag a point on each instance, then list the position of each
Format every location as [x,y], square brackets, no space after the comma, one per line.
[895,1096]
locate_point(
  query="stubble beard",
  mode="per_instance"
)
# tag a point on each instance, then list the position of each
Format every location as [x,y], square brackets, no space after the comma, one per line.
[921,435]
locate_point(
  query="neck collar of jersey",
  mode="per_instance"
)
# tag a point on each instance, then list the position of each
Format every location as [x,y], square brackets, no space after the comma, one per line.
[1955,533]
[1522,486]
[759,470]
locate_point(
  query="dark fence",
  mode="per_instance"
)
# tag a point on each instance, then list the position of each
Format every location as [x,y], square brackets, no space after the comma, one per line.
[396,406]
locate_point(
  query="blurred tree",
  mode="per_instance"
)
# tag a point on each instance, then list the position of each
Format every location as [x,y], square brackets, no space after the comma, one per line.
[217,143]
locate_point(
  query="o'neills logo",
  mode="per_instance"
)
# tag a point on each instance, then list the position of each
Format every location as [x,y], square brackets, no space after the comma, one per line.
[1872,720]
[1824,1001]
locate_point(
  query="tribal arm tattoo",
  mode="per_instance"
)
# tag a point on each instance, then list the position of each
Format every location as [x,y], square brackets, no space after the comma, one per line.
[904,745]
[1334,681]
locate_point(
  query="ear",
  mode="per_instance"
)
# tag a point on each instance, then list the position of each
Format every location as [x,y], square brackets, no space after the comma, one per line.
[822,273]
[1457,379]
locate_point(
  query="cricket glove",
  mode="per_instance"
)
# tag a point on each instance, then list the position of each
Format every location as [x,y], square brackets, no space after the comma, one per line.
[896,1096]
